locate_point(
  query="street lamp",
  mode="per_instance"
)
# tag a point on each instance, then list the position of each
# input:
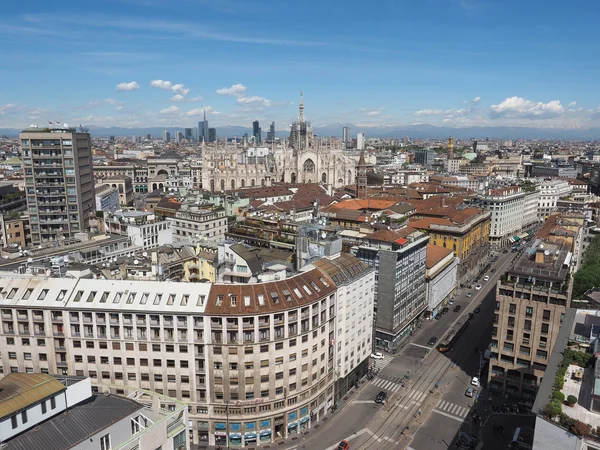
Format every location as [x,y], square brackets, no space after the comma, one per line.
[227,410]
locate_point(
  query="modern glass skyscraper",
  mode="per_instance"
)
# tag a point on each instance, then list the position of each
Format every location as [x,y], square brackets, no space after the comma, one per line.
[203,129]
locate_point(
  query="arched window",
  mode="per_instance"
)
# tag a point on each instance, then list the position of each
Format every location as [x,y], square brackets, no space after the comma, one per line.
[324,178]
[293,177]
[232,184]
[212,185]
[222,185]
[243,183]
[309,166]
[252,182]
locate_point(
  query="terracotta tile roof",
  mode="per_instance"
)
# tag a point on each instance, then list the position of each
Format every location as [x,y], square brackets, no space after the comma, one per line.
[342,269]
[371,203]
[435,254]
[391,236]
[168,203]
[293,292]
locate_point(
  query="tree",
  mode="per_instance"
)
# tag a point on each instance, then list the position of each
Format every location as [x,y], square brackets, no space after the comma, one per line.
[557,395]
[552,409]
[580,429]
[571,400]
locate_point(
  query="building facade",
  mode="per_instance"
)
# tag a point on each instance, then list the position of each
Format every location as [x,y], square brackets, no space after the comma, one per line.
[550,192]
[195,224]
[255,364]
[398,258]
[59,182]
[506,206]
[441,278]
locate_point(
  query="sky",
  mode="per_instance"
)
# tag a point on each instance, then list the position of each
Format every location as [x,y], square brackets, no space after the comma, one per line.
[138,63]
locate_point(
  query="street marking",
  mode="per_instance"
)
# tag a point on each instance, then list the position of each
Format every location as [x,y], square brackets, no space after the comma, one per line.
[458,419]
[422,346]
[349,438]
[363,401]
[454,409]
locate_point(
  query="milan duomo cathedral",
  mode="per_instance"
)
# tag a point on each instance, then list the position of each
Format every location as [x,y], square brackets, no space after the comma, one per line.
[303,158]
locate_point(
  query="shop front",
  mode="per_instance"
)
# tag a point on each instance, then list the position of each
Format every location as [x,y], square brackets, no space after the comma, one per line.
[265,432]
[304,420]
[292,427]
[250,434]
[220,434]
[235,434]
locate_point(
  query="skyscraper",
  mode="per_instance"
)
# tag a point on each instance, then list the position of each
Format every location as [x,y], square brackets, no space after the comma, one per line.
[59,182]
[212,135]
[203,129]
[187,132]
[256,132]
[346,135]
[360,141]
[271,133]
[166,136]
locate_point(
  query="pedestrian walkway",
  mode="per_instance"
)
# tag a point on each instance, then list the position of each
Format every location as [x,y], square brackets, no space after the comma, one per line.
[380,363]
[451,410]
[388,384]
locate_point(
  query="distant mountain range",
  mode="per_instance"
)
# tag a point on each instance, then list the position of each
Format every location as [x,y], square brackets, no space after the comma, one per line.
[412,131]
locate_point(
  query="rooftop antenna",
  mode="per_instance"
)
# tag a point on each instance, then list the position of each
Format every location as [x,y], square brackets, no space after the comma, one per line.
[83,130]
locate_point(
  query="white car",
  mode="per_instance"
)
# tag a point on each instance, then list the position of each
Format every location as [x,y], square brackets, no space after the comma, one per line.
[377,355]
[477,287]
[475,381]
[486,278]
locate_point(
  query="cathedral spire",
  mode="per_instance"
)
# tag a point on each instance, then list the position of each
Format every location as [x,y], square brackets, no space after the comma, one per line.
[301,117]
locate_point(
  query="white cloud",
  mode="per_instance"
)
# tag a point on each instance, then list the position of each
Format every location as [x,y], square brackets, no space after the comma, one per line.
[236,90]
[518,107]
[170,110]
[199,112]
[181,98]
[254,101]
[476,100]
[372,112]
[131,86]
[9,107]
[571,104]
[179,89]
[162,84]
[110,101]
[442,112]
[119,108]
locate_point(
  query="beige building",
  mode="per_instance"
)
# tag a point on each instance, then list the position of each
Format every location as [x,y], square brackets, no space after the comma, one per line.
[531,301]
[59,182]
[15,231]
[254,363]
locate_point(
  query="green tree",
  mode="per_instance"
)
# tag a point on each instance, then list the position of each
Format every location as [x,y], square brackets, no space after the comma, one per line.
[557,395]
[552,409]
[571,400]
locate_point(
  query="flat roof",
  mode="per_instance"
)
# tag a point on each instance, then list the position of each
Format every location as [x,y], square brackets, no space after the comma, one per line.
[18,391]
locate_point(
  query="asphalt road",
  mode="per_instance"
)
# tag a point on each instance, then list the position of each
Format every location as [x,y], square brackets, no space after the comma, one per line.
[373,427]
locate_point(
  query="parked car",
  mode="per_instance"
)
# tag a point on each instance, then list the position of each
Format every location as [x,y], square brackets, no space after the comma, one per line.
[438,317]
[478,309]
[475,381]
[377,355]
[457,308]
[471,315]
[451,301]
[445,310]
[486,278]
[380,398]
[470,392]
[432,340]
[469,294]
[344,445]
[477,287]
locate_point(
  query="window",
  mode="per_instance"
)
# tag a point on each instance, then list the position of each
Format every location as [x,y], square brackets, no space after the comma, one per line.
[24,416]
[512,309]
[105,442]
[546,315]
[528,311]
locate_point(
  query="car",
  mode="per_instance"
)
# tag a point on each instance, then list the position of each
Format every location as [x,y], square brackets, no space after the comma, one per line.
[478,309]
[475,381]
[505,251]
[451,301]
[445,310]
[469,294]
[380,398]
[344,445]
[457,308]
[493,270]
[432,340]
[477,287]
[486,278]
[377,355]
[471,315]
[438,317]
[470,392]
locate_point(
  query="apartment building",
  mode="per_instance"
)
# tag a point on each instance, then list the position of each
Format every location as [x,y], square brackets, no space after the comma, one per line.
[506,205]
[550,192]
[398,257]
[531,301]
[198,223]
[441,278]
[15,230]
[255,363]
[144,229]
[107,198]
[59,182]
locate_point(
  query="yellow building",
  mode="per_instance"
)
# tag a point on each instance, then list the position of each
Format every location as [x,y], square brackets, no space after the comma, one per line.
[204,267]
[466,232]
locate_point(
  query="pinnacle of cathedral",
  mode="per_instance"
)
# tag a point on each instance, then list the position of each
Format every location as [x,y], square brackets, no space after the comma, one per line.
[301,117]
[361,160]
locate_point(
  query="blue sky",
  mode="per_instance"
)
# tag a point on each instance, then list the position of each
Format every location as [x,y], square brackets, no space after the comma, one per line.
[460,63]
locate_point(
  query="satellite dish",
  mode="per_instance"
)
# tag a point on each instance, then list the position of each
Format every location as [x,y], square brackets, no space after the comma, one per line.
[546,252]
[135,261]
[145,254]
[29,260]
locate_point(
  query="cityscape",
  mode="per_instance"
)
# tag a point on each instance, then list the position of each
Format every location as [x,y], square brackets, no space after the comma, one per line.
[222,234]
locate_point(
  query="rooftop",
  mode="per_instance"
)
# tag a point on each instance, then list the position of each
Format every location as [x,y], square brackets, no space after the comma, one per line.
[436,254]
[18,391]
[85,419]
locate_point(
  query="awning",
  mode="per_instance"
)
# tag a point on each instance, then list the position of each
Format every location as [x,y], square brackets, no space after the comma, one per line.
[250,436]
[292,425]
[516,238]
[304,420]
[523,235]
[265,432]
[511,240]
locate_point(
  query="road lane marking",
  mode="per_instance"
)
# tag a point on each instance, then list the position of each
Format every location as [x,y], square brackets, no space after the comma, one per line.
[422,346]
[458,419]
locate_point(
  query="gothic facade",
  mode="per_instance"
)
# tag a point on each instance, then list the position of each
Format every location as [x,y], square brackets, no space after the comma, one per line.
[303,158]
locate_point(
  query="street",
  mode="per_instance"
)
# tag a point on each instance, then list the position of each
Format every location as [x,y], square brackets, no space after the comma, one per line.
[432,408]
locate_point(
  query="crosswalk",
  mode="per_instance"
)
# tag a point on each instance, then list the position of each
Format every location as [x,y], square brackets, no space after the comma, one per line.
[447,408]
[380,363]
[388,384]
